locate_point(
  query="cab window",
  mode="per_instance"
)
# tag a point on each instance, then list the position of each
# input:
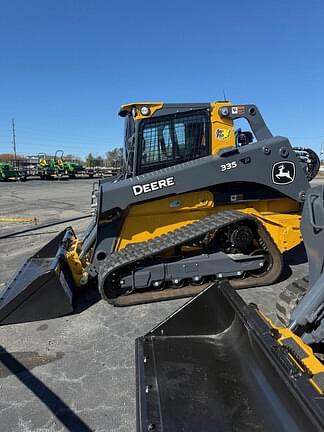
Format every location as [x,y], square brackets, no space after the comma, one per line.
[172,140]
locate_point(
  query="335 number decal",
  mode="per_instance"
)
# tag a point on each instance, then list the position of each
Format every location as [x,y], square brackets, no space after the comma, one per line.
[228,166]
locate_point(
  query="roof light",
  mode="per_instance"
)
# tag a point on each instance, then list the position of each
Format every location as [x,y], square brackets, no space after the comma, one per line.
[145,110]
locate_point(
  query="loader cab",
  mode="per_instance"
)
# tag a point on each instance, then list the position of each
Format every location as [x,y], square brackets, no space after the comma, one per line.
[160,135]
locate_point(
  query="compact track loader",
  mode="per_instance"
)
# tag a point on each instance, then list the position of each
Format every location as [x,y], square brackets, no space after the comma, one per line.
[197,202]
[218,364]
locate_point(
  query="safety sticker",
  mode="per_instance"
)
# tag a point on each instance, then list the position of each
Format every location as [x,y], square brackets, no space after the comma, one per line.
[222,133]
[238,110]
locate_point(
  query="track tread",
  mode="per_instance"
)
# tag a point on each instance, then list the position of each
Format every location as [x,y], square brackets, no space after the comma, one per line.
[139,251]
[289,298]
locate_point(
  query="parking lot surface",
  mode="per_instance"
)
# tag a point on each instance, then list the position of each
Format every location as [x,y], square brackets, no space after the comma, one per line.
[77,373]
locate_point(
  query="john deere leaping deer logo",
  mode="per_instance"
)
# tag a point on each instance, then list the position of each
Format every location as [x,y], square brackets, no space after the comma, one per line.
[283,172]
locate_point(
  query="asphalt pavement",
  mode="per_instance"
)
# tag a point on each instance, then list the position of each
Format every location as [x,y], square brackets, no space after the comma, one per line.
[77,373]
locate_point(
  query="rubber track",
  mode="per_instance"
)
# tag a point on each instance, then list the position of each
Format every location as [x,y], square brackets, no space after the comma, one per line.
[289,298]
[139,251]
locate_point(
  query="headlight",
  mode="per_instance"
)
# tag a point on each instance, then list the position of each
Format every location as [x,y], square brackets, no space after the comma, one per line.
[145,110]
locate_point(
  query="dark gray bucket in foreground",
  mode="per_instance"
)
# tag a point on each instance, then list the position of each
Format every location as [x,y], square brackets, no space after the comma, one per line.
[214,365]
[42,288]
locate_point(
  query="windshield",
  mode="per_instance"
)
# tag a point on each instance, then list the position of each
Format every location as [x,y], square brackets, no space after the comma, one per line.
[172,140]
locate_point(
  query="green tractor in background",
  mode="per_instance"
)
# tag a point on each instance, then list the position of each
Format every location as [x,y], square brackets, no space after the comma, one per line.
[72,169]
[48,168]
[9,172]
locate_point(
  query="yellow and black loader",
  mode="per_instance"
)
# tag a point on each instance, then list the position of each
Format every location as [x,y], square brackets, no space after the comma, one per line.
[198,201]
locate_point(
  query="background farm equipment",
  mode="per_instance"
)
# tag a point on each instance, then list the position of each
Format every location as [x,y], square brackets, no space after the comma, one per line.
[73,169]
[50,167]
[8,171]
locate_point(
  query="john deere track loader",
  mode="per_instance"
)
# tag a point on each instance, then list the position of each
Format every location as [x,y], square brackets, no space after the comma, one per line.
[218,364]
[197,202]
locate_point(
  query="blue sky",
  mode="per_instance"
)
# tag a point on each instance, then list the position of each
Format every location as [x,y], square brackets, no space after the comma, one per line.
[67,65]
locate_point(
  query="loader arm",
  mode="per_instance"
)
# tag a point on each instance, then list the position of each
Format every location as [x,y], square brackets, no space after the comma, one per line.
[307,319]
[252,115]
[253,164]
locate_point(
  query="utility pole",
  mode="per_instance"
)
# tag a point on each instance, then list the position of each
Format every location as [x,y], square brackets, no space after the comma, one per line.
[322,151]
[14,137]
